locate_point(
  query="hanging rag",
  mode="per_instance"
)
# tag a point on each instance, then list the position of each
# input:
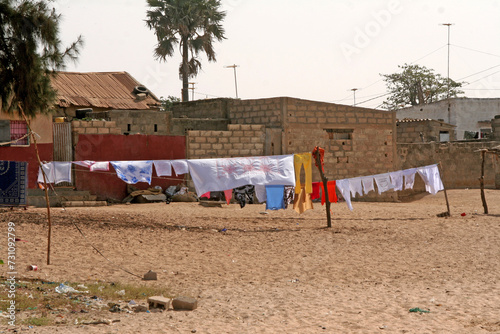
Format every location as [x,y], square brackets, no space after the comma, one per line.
[13,183]
[55,172]
[432,180]
[332,192]
[275,197]
[260,193]
[383,182]
[163,167]
[321,157]
[356,186]
[244,195]
[289,195]
[409,175]
[397,180]
[302,201]
[367,184]
[315,193]
[228,194]
[134,171]
[299,160]
[345,191]
[181,167]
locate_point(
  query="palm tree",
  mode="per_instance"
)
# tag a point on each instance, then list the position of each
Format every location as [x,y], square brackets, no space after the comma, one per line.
[191,24]
[30,53]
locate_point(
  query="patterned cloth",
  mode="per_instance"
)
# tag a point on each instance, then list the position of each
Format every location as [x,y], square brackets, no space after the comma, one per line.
[134,171]
[13,183]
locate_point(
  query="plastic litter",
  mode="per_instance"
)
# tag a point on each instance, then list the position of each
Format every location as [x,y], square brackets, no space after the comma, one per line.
[62,288]
[419,310]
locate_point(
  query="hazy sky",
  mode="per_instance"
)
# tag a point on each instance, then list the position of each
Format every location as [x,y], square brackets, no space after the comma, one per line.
[315,49]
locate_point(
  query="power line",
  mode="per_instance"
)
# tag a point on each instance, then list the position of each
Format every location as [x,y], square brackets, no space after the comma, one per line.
[481,78]
[479,72]
[486,53]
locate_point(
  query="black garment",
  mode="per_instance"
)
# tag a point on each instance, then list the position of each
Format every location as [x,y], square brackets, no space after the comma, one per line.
[244,195]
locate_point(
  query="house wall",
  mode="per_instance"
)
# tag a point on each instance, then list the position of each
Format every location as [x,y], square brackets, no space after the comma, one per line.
[41,125]
[106,147]
[422,131]
[213,108]
[259,111]
[180,126]
[460,161]
[141,121]
[238,141]
[93,127]
[465,113]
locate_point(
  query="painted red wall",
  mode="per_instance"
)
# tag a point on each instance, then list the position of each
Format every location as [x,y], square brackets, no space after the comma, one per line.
[16,153]
[106,185]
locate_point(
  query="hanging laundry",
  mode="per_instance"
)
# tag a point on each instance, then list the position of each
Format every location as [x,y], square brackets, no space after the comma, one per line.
[275,197]
[134,171]
[93,165]
[321,157]
[244,195]
[230,173]
[299,160]
[383,182]
[163,167]
[315,193]
[302,201]
[260,193]
[355,186]
[48,171]
[345,191]
[431,177]
[289,195]
[55,172]
[332,192]
[13,183]
[409,175]
[206,195]
[228,194]
[181,167]
[397,180]
[367,182]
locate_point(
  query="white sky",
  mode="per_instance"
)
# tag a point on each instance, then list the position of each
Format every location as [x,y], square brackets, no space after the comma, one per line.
[316,49]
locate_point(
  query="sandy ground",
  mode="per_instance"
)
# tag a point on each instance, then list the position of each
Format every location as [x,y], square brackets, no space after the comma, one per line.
[282,272]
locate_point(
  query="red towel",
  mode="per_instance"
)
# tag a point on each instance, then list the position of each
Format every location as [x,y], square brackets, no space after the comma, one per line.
[332,194]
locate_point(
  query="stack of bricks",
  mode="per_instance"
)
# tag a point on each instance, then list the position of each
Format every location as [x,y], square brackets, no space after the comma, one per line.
[94,128]
[239,140]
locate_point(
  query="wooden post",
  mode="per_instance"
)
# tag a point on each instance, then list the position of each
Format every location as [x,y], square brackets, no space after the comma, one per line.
[444,189]
[481,183]
[325,186]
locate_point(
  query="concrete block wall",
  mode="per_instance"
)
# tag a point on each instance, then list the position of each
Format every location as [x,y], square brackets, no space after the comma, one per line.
[145,122]
[93,128]
[259,111]
[461,161]
[420,131]
[180,126]
[238,141]
[213,108]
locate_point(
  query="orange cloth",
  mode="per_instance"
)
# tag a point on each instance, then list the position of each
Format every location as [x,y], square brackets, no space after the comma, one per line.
[302,201]
[321,157]
[332,194]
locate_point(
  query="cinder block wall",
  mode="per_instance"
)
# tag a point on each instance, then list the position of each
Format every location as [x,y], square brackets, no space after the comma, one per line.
[92,128]
[141,121]
[420,131]
[260,111]
[461,161]
[238,141]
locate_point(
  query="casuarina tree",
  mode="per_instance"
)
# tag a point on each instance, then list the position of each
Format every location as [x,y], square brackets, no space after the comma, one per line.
[193,26]
[416,85]
[30,53]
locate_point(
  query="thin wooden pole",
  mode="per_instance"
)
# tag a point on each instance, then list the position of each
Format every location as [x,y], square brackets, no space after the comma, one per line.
[44,184]
[481,183]
[325,186]
[440,166]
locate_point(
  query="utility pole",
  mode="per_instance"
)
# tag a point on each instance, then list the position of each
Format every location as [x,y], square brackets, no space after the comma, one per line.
[192,88]
[448,75]
[235,81]
[354,92]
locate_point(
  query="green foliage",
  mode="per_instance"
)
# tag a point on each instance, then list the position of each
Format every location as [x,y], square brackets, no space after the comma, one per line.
[167,103]
[30,52]
[416,85]
[193,25]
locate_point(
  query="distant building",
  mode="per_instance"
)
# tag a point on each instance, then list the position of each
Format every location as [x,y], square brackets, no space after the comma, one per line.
[471,116]
[412,130]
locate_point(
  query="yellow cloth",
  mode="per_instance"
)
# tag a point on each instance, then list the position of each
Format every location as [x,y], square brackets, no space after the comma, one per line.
[302,201]
[306,160]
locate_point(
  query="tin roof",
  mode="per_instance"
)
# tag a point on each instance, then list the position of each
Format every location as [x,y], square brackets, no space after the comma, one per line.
[109,90]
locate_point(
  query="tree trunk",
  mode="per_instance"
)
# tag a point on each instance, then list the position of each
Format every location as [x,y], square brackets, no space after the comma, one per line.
[185,70]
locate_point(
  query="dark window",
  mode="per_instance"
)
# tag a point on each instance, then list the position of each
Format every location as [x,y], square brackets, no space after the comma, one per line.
[339,134]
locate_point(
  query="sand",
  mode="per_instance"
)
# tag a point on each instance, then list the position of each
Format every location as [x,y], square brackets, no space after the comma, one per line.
[278,271]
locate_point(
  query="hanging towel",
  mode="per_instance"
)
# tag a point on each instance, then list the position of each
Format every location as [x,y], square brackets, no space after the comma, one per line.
[345,191]
[100,165]
[409,175]
[367,182]
[260,193]
[299,160]
[49,173]
[228,194]
[13,183]
[355,186]
[432,180]
[397,180]
[275,197]
[229,173]
[134,171]
[302,201]
[289,195]
[383,182]
[315,193]
[163,167]
[181,167]
[332,192]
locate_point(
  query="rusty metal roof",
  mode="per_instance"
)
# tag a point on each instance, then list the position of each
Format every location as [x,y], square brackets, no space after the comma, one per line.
[109,90]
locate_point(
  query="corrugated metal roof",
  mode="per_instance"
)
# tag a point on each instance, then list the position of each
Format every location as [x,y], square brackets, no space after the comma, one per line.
[110,90]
